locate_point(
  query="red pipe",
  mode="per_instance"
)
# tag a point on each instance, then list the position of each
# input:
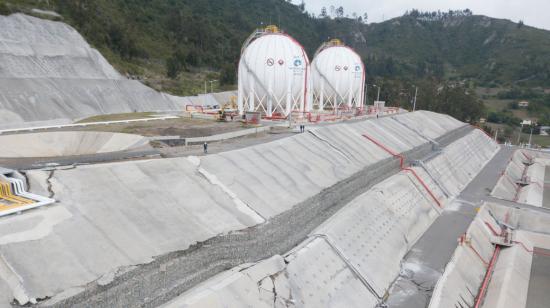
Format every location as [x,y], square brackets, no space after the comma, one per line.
[403,168]
[489,272]
[487,278]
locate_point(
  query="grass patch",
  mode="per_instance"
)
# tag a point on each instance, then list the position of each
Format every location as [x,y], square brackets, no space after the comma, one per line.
[117,117]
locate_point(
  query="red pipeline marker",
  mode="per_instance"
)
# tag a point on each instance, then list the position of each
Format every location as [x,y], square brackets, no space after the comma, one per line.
[402,166]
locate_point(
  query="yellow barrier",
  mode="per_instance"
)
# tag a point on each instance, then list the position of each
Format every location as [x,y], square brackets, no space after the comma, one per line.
[7,194]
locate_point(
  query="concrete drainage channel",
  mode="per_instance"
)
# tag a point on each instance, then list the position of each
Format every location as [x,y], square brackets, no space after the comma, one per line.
[169,275]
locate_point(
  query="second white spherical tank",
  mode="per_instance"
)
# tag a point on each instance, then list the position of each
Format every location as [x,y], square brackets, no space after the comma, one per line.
[336,71]
[274,63]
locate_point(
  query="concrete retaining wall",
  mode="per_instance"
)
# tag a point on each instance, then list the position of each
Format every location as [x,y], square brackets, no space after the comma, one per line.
[183,221]
[509,283]
[460,162]
[463,276]
[523,179]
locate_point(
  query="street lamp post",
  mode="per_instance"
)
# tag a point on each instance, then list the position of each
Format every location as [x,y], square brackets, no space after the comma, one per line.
[415,94]
[378,96]
[211,88]
[520,131]
[530,136]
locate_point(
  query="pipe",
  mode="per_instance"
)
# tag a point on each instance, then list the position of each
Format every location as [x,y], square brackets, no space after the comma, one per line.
[481,294]
[403,168]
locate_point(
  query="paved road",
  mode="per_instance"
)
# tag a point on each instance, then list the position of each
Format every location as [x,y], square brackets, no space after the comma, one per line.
[425,263]
[546,195]
[539,283]
[142,153]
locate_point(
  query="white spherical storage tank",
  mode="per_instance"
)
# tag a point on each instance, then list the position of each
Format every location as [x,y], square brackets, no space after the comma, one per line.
[338,77]
[273,74]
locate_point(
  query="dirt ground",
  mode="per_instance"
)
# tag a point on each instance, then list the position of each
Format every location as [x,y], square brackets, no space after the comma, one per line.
[183,127]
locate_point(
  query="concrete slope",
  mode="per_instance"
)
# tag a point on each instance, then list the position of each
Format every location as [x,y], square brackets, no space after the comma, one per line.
[49,73]
[480,272]
[461,161]
[111,217]
[54,144]
[311,276]
[275,176]
[368,237]
[377,229]
[524,177]
[349,261]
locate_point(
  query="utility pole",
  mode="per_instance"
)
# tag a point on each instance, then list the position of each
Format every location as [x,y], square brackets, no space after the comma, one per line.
[415,94]
[519,135]
[530,136]
[211,87]
[378,96]
[205,92]
[366,95]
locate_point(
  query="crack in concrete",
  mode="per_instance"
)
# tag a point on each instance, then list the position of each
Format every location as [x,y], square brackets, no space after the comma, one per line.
[330,145]
[49,182]
[205,259]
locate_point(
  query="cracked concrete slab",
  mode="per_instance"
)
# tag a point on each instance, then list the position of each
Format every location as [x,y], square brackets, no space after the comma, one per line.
[179,221]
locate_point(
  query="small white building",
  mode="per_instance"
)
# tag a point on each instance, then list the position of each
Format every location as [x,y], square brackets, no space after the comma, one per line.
[523,104]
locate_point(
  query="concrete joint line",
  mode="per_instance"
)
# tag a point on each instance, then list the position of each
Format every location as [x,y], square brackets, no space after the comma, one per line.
[330,145]
[14,282]
[240,205]
[422,192]
[416,131]
[434,178]
[349,265]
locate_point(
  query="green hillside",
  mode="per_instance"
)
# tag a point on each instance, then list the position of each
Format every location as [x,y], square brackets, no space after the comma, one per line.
[157,38]
[455,57]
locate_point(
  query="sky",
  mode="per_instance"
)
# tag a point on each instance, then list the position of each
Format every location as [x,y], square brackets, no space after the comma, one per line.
[534,13]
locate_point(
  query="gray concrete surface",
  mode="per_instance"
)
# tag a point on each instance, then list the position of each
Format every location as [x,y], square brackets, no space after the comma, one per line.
[371,234]
[147,286]
[539,284]
[49,73]
[58,144]
[426,261]
[546,195]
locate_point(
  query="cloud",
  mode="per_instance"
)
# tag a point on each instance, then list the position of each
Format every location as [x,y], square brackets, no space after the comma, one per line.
[532,12]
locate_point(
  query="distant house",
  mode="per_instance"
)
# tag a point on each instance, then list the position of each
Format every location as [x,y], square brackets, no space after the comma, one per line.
[523,104]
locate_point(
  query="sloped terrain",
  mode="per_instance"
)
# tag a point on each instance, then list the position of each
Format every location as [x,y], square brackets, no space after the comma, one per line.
[54,144]
[49,73]
[115,222]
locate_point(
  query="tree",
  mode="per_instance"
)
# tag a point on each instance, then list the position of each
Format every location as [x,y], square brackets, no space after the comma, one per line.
[176,64]
[302,6]
[340,12]
[227,75]
[520,24]
[365,17]
[323,12]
